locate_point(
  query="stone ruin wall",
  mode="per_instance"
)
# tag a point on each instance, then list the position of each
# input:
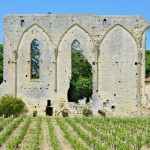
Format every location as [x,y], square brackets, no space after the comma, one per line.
[113,45]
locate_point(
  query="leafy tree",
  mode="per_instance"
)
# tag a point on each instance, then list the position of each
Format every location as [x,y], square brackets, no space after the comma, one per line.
[147,63]
[1,63]
[11,105]
[81,81]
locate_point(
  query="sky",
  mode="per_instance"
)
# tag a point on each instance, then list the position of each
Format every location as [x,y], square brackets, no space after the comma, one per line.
[97,7]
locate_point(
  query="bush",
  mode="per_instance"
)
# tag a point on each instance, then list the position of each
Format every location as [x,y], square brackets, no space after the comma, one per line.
[34,113]
[65,113]
[102,113]
[87,112]
[11,105]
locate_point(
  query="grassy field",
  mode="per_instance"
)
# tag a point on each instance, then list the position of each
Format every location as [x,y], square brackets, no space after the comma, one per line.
[80,133]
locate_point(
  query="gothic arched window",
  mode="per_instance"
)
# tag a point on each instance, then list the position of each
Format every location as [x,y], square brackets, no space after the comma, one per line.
[35,59]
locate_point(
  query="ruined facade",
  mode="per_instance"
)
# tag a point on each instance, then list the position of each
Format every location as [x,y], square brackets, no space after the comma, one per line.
[113,45]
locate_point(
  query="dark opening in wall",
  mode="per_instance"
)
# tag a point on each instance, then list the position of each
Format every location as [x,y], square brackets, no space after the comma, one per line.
[22,23]
[104,104]
[49,108]
[135,63]
[48,102]
[104,22]
[93,63]
[112,107]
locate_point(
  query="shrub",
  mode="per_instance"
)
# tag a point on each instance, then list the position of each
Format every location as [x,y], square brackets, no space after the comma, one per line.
[11,105]
[87,112]
[34,113]
[102,113]
[65,113]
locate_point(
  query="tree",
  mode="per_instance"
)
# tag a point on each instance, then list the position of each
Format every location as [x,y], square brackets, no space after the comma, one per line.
[81,81]
[147,67]
[1,63]
[11,105]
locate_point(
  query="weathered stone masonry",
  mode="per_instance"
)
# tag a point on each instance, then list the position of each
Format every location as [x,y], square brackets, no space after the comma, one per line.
[113,45]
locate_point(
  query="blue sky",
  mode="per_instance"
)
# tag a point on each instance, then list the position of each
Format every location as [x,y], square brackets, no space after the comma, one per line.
[99,7]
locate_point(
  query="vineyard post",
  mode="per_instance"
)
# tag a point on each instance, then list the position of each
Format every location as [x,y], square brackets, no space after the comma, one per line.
[58,145]
[32,146]
[92,146]
[4,146]
[146,126]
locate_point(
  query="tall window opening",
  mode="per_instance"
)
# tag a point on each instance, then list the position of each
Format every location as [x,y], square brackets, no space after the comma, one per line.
[35,59]
[81,80]
[22,23]
[104,22]
[147,62]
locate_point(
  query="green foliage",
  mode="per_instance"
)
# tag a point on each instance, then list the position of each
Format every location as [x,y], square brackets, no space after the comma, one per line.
[5,122]
[65,113]
[147,63]
[75,143]
[1,63]
[11,105]
[35,113]
[9,130]
[102,113]
[87,137]
[13,144]
[36,138]
[87,112]
[81,82]
[54,140]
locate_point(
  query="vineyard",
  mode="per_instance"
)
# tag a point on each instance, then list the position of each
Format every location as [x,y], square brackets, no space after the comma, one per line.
[57,133]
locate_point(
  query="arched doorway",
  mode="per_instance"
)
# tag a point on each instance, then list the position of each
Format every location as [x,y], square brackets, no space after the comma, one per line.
[81,79]
[64,60]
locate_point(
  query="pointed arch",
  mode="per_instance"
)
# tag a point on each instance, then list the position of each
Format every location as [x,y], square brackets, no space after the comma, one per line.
[143,36]
[74,32]
[145,30]
[116,25]
[46,63]
[117,63]
[35,24]
[69,28]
